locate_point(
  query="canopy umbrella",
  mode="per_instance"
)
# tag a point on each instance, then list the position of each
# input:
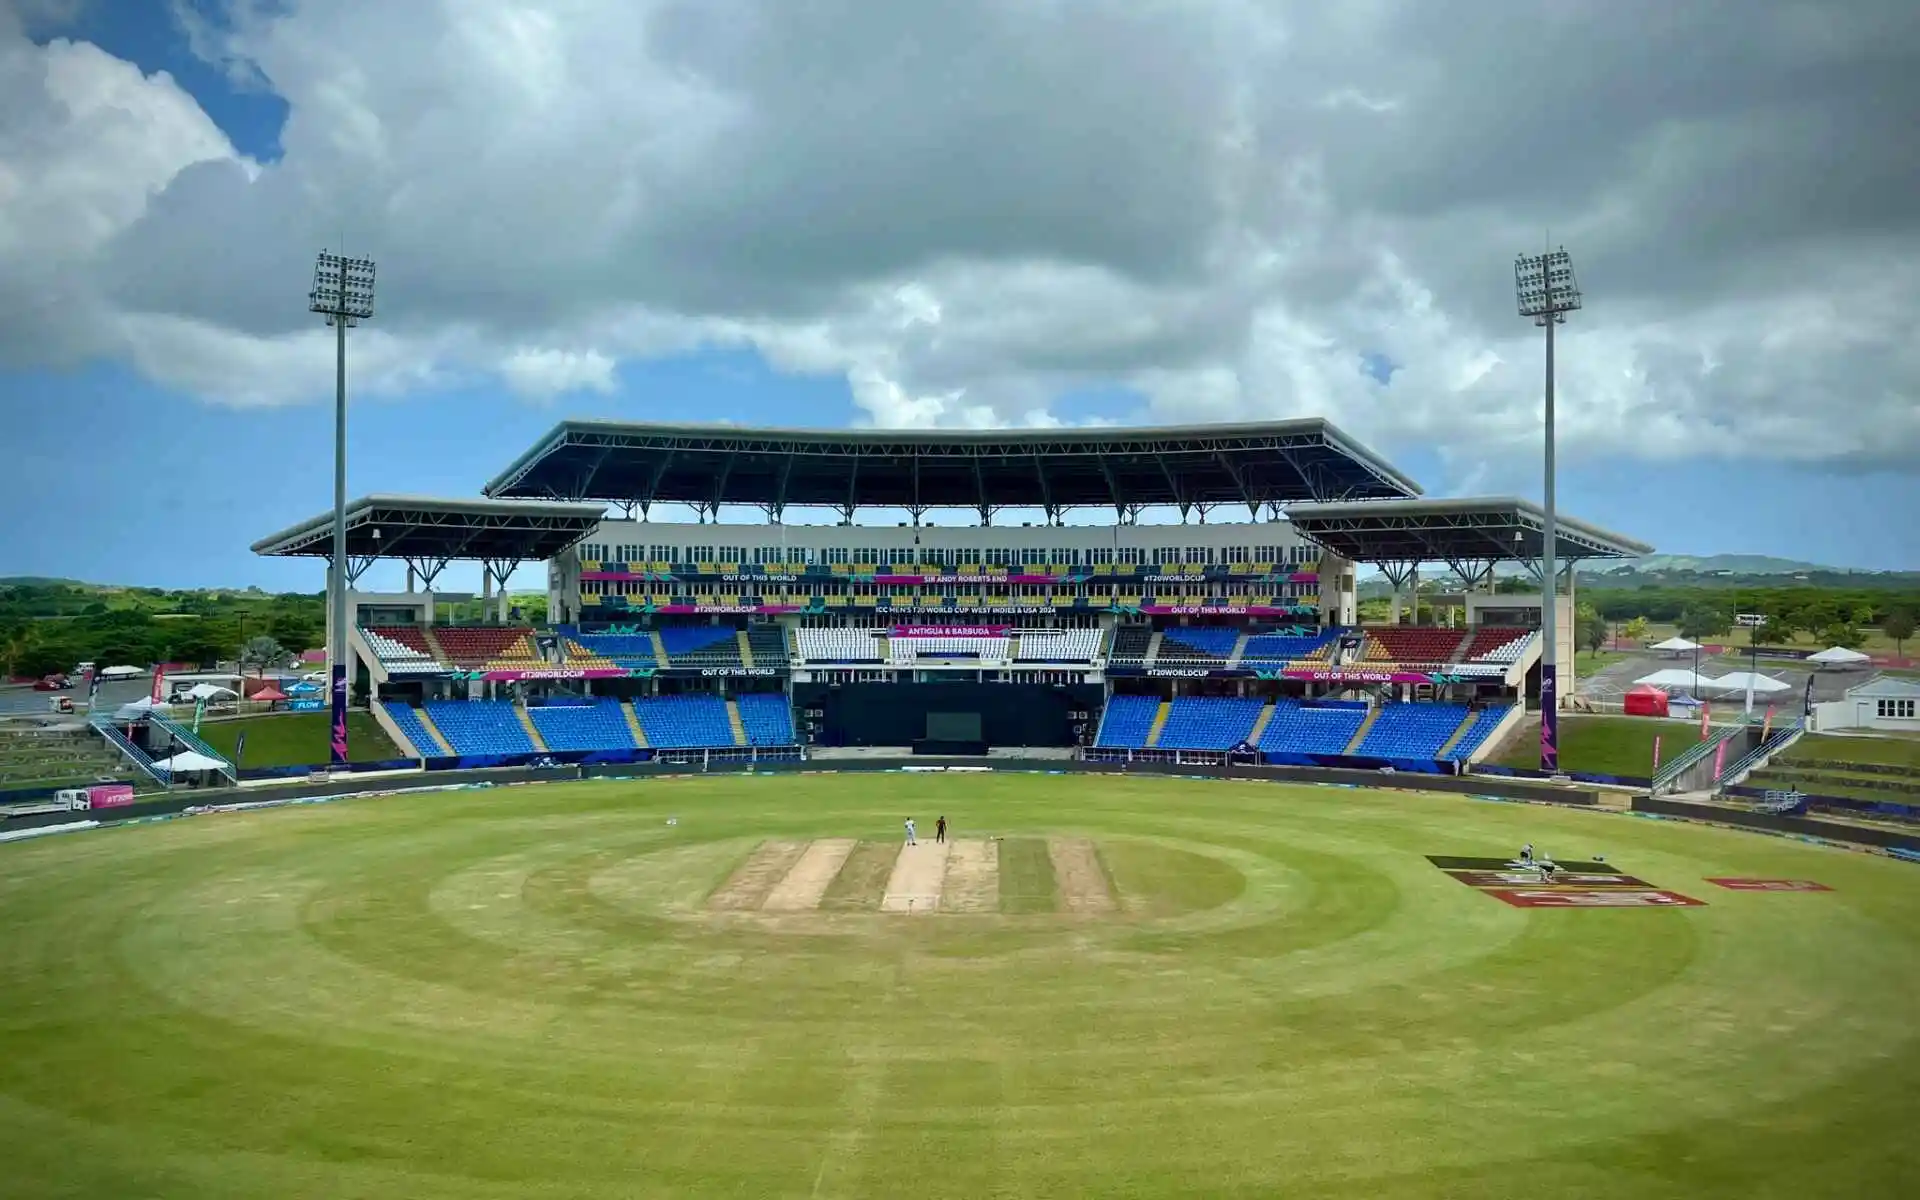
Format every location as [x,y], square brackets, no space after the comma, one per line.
[1675,645]
[189,760]
[268,693]
[1838,656]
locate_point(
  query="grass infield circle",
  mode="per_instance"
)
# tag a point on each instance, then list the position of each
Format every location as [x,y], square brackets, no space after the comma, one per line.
[528,992]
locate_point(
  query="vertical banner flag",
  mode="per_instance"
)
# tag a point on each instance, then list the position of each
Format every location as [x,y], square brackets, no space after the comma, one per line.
[199,713]
[1706,715]
[1549,720]
[1719,760]
[1766,726]
[1656,754]
[239,748]
[159,679]
[93,687]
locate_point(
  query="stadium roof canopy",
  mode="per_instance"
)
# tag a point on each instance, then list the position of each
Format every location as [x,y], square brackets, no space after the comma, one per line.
[1266,464]
[1469,535]
[428,530]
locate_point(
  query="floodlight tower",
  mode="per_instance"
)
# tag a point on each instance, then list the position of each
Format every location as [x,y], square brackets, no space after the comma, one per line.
[1547,292]
[343,293]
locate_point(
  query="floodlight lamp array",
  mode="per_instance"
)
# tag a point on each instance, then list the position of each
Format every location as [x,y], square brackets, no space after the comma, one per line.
[342,287]
[1545,286]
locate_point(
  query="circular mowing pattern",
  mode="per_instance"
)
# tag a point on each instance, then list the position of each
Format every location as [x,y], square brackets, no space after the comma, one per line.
[484,993]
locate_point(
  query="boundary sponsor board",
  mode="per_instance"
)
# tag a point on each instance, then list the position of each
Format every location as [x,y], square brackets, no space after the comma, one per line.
[1531,879]
[1577,867]
[1592,898]
[1770,885]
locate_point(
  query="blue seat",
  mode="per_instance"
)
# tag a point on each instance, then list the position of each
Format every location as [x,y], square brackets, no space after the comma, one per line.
[1209,722]
[1412,730]
[684,722]
[1280,648]
[1199,642]
[601,726]
[480,726]
[1296,730]
[702,642]
[1478,732]
[1127,722]
[408,719]
[767,718]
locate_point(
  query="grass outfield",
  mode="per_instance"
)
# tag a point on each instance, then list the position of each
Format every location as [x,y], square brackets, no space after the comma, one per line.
[1603,745]
[531,992]
[299,739]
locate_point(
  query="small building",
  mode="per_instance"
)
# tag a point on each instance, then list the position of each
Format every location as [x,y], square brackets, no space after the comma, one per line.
[1885,702]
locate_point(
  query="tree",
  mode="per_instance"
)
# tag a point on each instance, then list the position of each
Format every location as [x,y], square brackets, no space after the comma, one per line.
[1589,628]
[262,652]
[17,641]
[1899,627]
[1635,630]
[1863,614]
[1696,623]
[1841,634]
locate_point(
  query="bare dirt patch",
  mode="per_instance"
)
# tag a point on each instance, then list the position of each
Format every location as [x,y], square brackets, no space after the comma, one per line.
[919,874]
[972,884]
[747,888]
[1082,882]
[806,882]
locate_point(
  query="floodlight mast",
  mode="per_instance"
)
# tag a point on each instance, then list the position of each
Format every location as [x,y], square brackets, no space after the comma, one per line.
[1546,290]
[343,293]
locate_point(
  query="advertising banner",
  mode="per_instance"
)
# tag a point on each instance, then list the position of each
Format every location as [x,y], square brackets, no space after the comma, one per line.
[1357,675]
[949,631]
[110,795]
[556,673]
[1224,610]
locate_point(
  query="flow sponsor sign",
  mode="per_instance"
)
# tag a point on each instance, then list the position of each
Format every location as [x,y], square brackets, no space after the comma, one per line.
[1770,885]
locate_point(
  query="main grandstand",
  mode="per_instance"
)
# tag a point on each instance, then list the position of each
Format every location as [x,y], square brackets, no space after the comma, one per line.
[1193,640]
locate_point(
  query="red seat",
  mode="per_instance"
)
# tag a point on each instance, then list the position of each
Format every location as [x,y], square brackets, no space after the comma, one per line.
[1411,644]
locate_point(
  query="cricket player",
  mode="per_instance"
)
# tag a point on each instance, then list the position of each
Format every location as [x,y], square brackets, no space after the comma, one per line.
[910,840]
[1526,854]
[940,829]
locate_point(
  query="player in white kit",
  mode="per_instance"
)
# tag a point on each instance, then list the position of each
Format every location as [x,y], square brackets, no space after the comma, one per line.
[910,840]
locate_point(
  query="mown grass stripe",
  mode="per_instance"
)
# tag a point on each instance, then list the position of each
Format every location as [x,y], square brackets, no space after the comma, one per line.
[862,879]
[1027,884]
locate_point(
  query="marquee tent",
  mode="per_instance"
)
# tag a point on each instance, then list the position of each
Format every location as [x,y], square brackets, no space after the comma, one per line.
[1738,681]
[1838,656]
[1675,645]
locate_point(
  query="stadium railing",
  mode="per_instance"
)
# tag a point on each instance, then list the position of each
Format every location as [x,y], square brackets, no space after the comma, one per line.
[1668,775]
[1780,739]
[105,727]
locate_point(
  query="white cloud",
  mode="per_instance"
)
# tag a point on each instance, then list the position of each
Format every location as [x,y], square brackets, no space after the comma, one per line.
[968,211]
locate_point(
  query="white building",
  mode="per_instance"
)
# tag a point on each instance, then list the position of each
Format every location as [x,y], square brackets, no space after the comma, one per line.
[1884,702]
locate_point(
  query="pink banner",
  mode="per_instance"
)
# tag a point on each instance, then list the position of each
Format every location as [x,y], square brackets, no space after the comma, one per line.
[954,631]
[1656,754]
[718,608]
[925,579]
[110,795]
[1338,675]
[1719,759]
[558,673]
[1220,610]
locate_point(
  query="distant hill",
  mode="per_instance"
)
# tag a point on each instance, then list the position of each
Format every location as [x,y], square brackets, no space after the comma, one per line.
[1707,564]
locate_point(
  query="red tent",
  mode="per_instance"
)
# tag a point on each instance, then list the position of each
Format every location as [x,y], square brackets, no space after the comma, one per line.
[273,694]
[1645,701]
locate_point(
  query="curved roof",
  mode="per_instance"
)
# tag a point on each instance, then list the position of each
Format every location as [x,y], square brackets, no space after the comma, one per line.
[1487,528]
[429,527]
[1120,467]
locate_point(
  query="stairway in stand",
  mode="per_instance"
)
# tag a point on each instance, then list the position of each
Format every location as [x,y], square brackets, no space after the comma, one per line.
[746,649]
[733,719]
[433,731]
[433,644]
[1159,720]
[633,724]
[1360,734]
[1259,722]
[1466,723]
[659,651]
[533,731]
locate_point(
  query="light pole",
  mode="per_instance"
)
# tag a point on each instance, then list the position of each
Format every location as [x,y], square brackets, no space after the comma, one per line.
[343,293]
[1546,291]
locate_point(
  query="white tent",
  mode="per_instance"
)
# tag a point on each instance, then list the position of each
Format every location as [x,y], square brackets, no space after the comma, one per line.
[1738,682]
[1837,656]
[210,691]
[1673,677]
[1675,645]
[138,708]
[189,760]
[121,673]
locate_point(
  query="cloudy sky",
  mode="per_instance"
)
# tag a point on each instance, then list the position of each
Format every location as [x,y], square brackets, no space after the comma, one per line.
[1004,212]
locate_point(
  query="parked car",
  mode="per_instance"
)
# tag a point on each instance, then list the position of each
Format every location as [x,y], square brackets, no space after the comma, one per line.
[53,683]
